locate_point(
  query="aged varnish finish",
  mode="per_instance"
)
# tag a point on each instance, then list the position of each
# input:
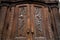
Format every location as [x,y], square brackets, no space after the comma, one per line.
[29,20]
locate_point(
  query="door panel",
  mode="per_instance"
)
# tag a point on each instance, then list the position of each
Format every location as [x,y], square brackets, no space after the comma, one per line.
[21,23]
[37,21]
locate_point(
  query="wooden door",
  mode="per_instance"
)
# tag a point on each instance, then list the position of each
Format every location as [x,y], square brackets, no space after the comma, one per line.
[37,23]
[22,27]
[29,22]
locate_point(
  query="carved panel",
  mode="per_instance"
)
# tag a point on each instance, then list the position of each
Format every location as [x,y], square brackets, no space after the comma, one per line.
[21,24]
[39,35]
[38,21]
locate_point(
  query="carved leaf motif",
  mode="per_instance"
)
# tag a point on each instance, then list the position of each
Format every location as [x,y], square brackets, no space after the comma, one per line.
[20,29]
[38,21]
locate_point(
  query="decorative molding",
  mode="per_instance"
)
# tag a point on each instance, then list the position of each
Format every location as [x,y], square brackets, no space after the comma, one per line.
[10,4]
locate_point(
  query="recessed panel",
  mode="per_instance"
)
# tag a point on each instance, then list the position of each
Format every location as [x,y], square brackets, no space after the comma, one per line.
[21,24]
[39,35]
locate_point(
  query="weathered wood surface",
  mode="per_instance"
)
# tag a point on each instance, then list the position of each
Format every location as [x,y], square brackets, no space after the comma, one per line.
[56,16]
[3,11]
[9,18]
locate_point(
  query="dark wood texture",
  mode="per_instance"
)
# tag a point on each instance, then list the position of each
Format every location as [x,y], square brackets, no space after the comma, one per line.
[22,21]
[3,11]
[56,22]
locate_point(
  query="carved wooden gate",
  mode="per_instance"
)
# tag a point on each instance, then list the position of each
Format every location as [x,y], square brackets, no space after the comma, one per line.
[29,22]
